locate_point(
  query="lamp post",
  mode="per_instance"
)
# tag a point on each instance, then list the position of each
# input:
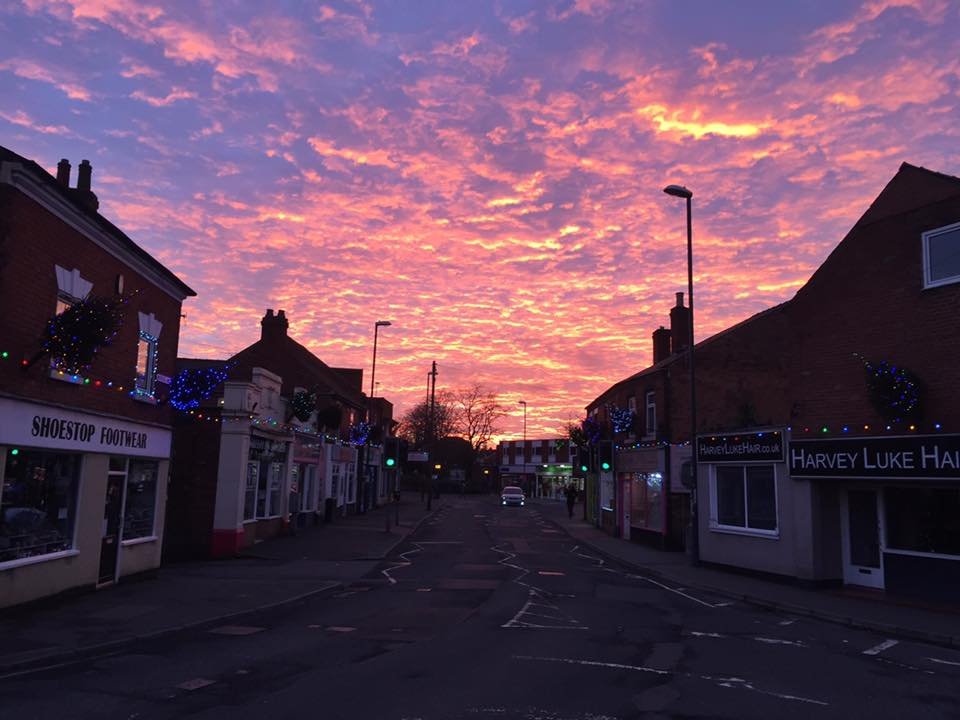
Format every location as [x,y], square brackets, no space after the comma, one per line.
[373,369]
[366,489]
[681,192]
[524,446]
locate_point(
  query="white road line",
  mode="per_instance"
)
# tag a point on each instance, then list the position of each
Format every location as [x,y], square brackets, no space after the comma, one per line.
[670,589]
[727,682]
[877,649]
[787,622]
[708,634]
[406,563]
[780,641]
[944,662]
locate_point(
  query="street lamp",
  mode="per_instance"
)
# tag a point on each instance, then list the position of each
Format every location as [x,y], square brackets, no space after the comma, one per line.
[524,403]
[681,192]
[373,370]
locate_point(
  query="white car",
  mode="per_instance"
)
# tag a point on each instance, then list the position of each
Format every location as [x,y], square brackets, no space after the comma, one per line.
[512,495]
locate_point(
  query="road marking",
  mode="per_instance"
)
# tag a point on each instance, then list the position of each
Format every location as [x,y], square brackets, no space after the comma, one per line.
[670,589]
[707,634]
[787,622]
[424,589]
[340,629]
[549,572]
[727,682]
[195,684]
[779,641]
[439,542]
[877,649]
[943,662]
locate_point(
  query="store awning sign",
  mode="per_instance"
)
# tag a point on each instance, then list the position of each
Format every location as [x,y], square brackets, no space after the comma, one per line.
[911,457]
[742,447]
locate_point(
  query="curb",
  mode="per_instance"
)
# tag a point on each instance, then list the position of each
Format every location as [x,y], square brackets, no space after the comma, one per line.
[948,641]
[72,656]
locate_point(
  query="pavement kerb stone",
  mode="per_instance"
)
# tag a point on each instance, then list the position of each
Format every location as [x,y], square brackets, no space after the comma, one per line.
[72,656]
[903,633]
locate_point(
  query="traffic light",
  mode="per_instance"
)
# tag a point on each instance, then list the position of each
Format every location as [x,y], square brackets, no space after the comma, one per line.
[605,455]
[583,459]
[390,452]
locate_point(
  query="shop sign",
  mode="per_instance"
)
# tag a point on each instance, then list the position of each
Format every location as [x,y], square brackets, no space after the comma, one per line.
[743,447]
[28,425]
[912,457]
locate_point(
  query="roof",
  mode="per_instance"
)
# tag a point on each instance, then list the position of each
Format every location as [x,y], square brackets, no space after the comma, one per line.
[10,156]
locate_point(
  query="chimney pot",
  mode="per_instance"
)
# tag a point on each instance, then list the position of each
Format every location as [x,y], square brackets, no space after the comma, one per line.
[84,173]
[679,299]
[274,327]
[679,326]
[63,172]
[661,344]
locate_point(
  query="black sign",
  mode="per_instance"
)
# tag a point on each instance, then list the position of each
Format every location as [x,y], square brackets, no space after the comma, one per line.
[746,447]
[923,457]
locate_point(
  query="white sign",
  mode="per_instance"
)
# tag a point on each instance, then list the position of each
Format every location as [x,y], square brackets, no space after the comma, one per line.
[413,456]
[26,425]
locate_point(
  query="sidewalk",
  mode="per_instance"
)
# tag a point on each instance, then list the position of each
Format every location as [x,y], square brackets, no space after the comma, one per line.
[268,576]
[878,613]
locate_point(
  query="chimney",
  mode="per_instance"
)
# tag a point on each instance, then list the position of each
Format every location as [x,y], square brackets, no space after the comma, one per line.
[679,326]
[661,344]
[84,172]
[63,172]
[274,327]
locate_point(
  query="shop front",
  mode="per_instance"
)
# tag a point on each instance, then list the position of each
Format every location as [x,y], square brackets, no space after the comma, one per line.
[81,499]
[899,498]
[641,496]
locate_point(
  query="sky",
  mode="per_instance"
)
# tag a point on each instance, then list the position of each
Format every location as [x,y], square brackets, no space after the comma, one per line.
[485,175]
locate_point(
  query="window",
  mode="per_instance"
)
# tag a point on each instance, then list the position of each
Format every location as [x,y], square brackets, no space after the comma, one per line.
[632,404]
[71,289]
[646,501]
[250,494]
[335,480]
[351,483]
[276,482]
[941,256]
[923,519]
[651,417]
[38,504]
[146,365]
[745,497]
[140,505]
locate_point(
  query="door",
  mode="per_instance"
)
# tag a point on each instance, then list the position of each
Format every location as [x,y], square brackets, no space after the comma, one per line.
[862,533]
[110,540]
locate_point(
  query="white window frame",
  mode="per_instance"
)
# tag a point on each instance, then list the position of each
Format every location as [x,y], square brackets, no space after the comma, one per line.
[145,391]
[351,483]
[650,400]
[928,282]
[715,525]
[152,537]
[71,289]
[256,489]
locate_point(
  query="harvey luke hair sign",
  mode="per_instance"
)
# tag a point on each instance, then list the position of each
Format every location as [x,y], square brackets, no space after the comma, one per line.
[28,425]
[925,457]
[746,447]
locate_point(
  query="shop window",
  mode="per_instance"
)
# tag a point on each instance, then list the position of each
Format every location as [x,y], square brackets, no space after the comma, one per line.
[140,505]
[335,480]
[923,519]
[646,500]
[744,497]
[250,494]
[276,483]
[38,501]
[941,256]
[351,483]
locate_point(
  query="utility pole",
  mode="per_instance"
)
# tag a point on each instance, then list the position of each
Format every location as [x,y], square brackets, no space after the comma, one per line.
[432,415]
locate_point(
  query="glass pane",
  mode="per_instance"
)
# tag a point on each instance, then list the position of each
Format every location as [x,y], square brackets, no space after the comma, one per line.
[38,504]
[118,464]
[730,508]
[761,498]
[923,519]
[276,477]
[141,499]
[654,501]
[262,491]
[944,251]
[250,493]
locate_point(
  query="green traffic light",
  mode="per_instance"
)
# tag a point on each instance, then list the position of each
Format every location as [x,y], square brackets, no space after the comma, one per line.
[391,462]
[583,468]
[605,466]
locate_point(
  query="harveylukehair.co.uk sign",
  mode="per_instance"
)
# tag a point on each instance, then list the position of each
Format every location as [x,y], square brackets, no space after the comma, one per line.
[743,447]
[910,457]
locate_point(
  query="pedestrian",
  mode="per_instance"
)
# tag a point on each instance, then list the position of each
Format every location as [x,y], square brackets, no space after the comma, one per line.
[571,494]
[294,507]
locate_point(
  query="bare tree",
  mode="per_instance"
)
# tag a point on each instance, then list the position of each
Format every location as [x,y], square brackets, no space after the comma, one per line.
[477,412]
[415,424]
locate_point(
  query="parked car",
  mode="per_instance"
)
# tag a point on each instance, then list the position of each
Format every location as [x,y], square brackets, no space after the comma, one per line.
[512,495]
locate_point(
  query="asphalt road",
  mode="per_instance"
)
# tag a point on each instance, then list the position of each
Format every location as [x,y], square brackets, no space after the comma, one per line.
[490,612]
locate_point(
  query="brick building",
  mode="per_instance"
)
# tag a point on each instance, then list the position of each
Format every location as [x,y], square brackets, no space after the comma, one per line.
[827,425]
[234,466]
[543,468]
[84,448]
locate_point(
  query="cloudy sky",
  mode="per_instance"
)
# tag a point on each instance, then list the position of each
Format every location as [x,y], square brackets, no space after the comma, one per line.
[486,175]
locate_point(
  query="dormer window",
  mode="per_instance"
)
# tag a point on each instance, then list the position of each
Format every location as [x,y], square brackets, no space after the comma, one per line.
[941,256]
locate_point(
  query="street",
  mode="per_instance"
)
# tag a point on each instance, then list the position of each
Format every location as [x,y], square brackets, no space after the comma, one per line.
[495,612]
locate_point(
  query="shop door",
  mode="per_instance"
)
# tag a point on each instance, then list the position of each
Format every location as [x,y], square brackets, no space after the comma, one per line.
[110,540]
[863,560]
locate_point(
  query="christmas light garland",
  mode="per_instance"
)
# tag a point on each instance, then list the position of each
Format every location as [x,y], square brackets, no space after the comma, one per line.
[191,386]
[621,418]
[304,403]
[895,392]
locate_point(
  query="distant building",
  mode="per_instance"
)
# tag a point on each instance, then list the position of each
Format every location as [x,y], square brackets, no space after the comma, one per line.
[543,468]
[84,447]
